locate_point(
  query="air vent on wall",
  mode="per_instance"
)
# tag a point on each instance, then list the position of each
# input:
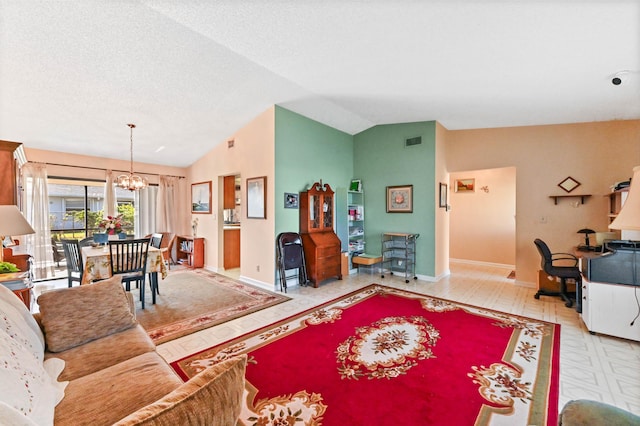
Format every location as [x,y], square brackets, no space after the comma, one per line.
[413,141]
[230,143]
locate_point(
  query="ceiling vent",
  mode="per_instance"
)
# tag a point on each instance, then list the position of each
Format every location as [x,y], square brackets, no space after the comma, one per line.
[413,141]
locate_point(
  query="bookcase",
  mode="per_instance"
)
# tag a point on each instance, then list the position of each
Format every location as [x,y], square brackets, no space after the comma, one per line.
[355,208]
[190,251]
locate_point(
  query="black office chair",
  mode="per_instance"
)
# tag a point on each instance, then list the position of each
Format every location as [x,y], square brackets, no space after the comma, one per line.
[129,259]
[563,272]
[75,267]
[290,255]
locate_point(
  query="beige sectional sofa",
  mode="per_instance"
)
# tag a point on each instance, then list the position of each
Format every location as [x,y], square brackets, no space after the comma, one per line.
[85,360]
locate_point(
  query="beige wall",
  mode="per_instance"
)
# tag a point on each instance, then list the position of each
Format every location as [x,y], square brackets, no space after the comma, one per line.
[442,214]
[595,154]
[253,155]
[483,223]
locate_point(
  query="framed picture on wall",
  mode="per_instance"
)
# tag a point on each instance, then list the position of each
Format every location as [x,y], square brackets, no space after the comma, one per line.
[400,199]
[443,195]
[257,198]
[201,197]
[290,200]
[465,185]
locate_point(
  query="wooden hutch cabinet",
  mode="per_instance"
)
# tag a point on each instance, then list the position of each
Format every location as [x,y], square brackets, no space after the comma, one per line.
[321,244]
[8,194]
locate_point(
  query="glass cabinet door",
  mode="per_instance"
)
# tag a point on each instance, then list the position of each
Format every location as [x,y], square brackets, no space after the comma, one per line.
[327,212]
[314,212]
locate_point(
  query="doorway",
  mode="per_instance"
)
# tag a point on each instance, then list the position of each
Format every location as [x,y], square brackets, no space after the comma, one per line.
[482,226]
[231,213]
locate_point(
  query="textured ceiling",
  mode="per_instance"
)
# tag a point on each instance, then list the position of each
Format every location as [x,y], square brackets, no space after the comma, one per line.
[191,73]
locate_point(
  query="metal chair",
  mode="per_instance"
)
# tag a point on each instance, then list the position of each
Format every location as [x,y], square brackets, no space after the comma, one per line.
[290,255]
[129,259]
[75,267]
[550,267]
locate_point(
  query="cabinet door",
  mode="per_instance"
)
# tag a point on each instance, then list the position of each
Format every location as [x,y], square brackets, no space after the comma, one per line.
[229,192]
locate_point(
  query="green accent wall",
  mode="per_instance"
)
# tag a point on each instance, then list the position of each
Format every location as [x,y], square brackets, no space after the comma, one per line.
[380,160]
[305,152]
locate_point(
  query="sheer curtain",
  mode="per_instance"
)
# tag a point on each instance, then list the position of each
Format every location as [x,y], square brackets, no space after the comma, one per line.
[36,210]
[145,220]
[110,198]
[169,217]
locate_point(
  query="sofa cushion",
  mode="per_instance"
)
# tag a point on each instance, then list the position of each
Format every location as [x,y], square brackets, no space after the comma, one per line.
[102,353]
[212,397]
[77,315]
[108,395]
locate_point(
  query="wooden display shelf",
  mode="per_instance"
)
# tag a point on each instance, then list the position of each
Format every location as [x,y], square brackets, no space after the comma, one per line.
[190,251]
[582,197]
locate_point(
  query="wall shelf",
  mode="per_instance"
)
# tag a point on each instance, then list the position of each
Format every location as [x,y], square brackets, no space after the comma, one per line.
[582,197]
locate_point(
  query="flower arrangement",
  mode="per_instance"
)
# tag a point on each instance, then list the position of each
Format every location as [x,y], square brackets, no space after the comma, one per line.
[194,226]
[113,225]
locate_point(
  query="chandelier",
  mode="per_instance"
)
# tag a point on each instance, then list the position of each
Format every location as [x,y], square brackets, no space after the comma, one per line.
[131,181]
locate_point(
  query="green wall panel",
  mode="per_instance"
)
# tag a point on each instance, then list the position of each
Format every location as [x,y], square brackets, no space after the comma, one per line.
[380,160]
[307,151]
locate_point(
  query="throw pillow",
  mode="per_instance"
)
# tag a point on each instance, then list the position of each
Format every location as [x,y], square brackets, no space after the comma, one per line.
[17,314]
[212,397]
[26,387]
[77,315]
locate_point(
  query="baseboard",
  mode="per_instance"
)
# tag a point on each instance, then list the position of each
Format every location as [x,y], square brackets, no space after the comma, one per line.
[478,262]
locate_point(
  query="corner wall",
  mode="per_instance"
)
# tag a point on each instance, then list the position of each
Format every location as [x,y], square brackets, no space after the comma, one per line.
[381,160]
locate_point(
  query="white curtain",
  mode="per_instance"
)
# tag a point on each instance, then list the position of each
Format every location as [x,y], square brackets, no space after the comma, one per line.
[145,202]
[36,211]
[168,213]
[110,199]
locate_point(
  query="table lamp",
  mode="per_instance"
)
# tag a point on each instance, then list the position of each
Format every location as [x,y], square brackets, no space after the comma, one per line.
[586,232]
[12,222]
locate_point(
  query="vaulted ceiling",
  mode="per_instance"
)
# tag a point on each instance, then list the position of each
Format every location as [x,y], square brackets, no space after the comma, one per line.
[190,73]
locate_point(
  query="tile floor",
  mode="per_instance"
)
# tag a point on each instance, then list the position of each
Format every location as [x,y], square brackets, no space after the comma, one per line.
[596,367]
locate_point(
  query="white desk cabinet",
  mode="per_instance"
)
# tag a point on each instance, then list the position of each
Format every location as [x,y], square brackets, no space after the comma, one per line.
[610,309]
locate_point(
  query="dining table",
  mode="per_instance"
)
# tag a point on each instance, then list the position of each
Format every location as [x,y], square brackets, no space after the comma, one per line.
[97,264]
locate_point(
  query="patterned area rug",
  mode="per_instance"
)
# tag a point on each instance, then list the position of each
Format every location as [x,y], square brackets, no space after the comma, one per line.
[385,356]
[190,301]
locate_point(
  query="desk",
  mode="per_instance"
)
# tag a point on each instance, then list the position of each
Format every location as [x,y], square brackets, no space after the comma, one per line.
[97,263]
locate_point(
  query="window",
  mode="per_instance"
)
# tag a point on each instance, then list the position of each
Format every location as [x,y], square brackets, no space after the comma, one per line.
[77,207]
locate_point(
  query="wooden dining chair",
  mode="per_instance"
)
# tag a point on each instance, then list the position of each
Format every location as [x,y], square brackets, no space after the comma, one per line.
[129,259]
[75,267]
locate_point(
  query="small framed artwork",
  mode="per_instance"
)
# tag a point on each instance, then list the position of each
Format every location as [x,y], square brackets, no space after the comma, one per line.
[400,199]
[465,185]
[569,184]
[201,197]
[290,200]
[443,195]
[356,185]
[257,198]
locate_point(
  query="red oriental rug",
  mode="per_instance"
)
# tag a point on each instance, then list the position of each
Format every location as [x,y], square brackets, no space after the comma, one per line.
[383,356]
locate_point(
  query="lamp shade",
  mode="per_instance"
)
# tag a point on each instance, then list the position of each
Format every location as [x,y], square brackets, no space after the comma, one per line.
[629,216]
[12,222]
